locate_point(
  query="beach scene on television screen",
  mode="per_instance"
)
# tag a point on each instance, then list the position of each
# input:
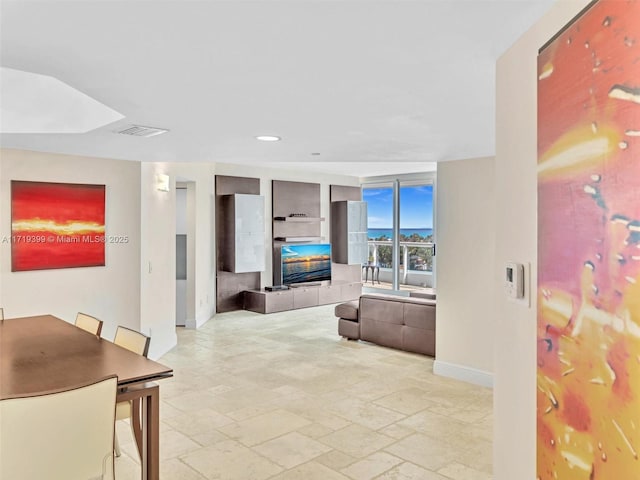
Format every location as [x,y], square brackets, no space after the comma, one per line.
[306,263]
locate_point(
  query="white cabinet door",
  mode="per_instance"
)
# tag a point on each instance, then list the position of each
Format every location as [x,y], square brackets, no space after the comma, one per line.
[244,249]
[250,256]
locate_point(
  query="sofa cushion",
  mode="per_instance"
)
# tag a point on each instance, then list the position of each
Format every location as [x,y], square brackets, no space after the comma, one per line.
[381,308]
[420,315]
[381,332]
[419,340]
[347,310]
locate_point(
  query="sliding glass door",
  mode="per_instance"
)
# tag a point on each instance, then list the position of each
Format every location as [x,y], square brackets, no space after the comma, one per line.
[379,200]
[416,235]
[401,230]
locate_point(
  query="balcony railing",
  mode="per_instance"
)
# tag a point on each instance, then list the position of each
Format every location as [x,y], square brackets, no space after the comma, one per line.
[417,255]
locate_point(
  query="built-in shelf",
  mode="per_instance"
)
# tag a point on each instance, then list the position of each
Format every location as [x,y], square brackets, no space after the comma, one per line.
[262,301]
[299,219]
[298,239]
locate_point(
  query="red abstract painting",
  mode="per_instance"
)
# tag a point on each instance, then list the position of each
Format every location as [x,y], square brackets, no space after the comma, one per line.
[56,225]
[588,371]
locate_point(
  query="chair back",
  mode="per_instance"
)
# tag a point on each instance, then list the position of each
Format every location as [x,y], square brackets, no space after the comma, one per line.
[59,435]
[133,341]
[89,323]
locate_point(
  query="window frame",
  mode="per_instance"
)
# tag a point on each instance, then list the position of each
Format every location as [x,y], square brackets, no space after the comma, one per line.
[396,182]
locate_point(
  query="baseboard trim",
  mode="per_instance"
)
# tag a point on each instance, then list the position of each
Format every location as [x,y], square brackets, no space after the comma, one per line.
[466,374]
[200,321]
[165,348]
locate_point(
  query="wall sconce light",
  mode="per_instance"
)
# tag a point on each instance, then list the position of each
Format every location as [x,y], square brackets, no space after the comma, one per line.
[162,182]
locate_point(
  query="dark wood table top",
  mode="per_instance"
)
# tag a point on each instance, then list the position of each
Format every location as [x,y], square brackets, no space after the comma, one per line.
[44,353]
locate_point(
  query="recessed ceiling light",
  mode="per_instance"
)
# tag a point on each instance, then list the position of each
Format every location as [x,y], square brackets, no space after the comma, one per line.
[268,138]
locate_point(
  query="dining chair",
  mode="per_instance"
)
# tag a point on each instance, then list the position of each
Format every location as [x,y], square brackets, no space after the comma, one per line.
[60,435]
[89,323]
[138,343]
[133,341]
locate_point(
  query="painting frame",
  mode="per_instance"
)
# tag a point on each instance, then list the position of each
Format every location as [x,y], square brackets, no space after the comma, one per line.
[56,225]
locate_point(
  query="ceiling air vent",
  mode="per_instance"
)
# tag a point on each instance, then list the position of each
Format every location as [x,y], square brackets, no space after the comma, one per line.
[140,131]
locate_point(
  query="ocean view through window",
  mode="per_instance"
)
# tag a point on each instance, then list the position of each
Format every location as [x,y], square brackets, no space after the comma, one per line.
[415,233]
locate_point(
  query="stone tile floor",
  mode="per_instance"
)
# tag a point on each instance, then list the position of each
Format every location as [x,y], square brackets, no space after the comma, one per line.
[283,397]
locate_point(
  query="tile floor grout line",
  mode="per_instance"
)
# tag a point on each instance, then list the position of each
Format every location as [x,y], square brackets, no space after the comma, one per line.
[356,400]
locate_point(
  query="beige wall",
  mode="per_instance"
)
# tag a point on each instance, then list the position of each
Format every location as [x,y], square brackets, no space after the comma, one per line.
[465,219]
[516,239]
[158,253]
[157,260]
[126,291]
[112,292]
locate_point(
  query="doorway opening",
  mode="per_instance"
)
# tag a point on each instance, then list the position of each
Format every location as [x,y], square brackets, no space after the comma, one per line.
[185,254]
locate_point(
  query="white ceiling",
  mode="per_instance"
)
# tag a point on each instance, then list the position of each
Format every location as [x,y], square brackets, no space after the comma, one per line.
[373,86]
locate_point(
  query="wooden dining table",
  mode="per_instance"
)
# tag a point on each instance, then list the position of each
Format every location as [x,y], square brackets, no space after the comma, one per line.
[44,353]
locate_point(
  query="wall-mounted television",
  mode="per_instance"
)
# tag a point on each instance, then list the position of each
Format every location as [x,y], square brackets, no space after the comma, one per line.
[305,263]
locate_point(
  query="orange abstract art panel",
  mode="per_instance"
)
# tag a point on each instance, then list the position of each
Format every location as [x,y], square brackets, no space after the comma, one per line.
[588,372]
[56,225]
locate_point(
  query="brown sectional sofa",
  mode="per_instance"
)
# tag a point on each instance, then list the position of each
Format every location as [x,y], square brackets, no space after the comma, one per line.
[406,323]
